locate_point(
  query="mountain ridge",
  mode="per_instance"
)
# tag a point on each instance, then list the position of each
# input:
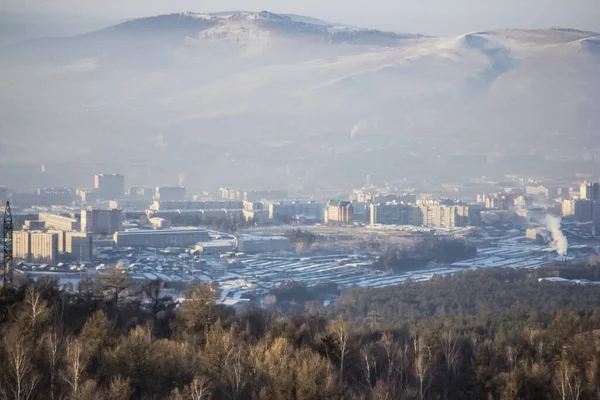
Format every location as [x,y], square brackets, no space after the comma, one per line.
[221,85]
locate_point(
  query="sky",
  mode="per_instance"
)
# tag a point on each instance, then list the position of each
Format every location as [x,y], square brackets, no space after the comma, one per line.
[431,17]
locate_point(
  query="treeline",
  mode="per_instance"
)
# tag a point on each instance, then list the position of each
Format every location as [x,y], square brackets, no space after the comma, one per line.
[424,250]
[112,340]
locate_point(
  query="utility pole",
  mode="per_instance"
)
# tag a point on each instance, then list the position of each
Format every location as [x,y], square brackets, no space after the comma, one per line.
[7,263]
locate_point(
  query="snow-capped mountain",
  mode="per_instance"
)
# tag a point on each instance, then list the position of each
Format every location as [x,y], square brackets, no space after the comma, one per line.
[264,90]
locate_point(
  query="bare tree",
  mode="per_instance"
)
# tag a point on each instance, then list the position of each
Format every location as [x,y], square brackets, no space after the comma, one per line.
[196,313]
[422,365]
[22,379]
[567,381]
[115,280]
[34,311]
[53,348]
[119,389]
[339,329]
[156,302]
[450,351]
[76,363]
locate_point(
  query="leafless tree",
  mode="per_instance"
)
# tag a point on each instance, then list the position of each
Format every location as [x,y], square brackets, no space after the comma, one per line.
[115,280]
[53,348]
[76,363]
[422,365]
[567,381]
[339,329]
[22,379]
[450,350]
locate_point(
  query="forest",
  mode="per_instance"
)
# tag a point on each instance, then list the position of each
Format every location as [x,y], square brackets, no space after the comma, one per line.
[489,334]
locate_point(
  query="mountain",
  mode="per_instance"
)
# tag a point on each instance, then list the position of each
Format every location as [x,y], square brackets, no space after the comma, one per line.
[296,101]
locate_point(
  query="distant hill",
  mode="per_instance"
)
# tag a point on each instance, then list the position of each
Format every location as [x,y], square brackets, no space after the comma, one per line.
[290,92]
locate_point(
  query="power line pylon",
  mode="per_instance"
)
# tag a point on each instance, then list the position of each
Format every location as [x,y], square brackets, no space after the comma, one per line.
[7,263]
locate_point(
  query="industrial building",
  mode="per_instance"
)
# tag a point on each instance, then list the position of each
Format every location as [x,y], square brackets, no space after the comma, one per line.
[109,186]
[263,244]
[183,237]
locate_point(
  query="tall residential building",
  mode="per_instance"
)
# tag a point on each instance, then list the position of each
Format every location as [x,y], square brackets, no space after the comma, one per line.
[395,214]
[340,212]
[22,245]
[170,193]
[61,239]
[568,207]
[44,247]
[583,210]
[101,221]
[59,222]
[586,191]
[142,193]
[449,217]
[88,196]
[110,186]
[78,245]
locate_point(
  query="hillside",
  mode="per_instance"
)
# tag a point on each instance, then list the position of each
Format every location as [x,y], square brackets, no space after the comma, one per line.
[240,90]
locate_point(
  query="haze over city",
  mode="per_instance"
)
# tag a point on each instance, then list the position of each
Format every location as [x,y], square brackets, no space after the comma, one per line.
[299,199]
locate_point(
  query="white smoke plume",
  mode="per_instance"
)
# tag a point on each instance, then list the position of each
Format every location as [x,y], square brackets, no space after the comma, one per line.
[358,127]
[558,238]
[180,179]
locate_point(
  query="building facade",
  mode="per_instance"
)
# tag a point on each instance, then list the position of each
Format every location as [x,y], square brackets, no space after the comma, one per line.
[263,244]
[170,193]
[395,214]
[22,245]
[59,222]
[282,211]
[101,221]
[339,212]
[161,238]
[79,246]
[44,247]
[110,186]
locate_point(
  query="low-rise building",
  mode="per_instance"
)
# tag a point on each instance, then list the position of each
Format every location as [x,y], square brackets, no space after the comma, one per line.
[182,237]
[35,225]
[59,222]
[263,244]
[216,246]
[283,211]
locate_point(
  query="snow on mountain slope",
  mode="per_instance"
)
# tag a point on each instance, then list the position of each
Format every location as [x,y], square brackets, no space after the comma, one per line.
[195,81]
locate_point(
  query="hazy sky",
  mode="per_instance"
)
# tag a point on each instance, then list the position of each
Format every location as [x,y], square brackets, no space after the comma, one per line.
[435,17]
